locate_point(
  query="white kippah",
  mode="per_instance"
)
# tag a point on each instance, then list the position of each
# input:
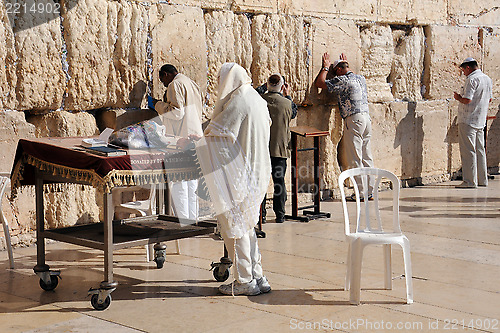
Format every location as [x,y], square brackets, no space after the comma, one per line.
[275,87]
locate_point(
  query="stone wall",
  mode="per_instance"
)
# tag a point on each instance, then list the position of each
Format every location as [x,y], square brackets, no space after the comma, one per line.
[82,68]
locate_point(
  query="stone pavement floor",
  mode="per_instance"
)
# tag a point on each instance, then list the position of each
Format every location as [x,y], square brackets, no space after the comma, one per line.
[455,252]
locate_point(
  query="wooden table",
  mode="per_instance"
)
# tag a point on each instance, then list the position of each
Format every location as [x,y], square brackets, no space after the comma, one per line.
[60,160]
[306,132]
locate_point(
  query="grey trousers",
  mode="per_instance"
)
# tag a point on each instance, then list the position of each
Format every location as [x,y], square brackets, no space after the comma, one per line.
[473,155]
[357,147]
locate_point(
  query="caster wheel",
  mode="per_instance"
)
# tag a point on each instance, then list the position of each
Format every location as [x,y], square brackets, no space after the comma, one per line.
[159,262]
[53,283]
[220,276]
[97,306]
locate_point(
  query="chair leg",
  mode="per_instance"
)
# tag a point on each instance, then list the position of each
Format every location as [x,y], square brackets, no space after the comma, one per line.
[8,242]
[387,267]
[177,247]
[408,273]
[348,268]
[356,262]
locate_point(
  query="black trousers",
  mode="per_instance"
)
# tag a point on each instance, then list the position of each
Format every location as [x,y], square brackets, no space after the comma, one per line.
[278,170]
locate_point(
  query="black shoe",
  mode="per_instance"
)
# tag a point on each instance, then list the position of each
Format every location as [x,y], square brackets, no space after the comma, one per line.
[260,233]
[280,220]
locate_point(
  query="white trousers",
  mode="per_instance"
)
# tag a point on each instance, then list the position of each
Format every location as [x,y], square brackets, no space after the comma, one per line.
[473,155]
[185,199]
[357,146]
[247,260]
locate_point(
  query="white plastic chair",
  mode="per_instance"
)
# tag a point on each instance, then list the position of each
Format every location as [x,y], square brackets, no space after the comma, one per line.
[139,208]
[365,233]
[4,182]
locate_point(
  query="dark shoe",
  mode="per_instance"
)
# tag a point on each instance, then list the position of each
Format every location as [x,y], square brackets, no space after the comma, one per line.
[280,220]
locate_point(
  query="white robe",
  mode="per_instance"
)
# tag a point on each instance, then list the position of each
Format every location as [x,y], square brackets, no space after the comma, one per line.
[234,154]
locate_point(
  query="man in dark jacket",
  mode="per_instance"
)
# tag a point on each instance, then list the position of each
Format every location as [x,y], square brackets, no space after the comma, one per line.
[281,110]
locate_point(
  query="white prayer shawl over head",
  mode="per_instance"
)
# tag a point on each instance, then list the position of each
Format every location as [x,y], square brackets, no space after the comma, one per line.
[234,153]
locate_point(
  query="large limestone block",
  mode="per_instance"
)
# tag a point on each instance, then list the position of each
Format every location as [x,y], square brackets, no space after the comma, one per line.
[178,38]
[493,136]
[447,46]
[67,204]
[229,39]
[434,116]
[476,12]
[364,10]
[106,44]
[70,204]
[64,124]
[407,139]
[407,64]
[377,48]
[325,118]
[454,160]
[388,129]
[428,12]
[279,46]
[13,126]
[393,11]
[120,118]
[8,77]
[40,78]
[491,58]
[333,36]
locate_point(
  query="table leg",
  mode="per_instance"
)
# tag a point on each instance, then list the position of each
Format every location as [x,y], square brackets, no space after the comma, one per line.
[40,225]
[108,238]
[295,204]
[317,195]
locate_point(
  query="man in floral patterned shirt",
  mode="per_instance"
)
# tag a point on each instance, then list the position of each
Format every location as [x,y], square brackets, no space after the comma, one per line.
[350,89]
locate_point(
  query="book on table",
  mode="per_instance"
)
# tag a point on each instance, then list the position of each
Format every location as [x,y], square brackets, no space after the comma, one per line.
[106,151]
[92,142]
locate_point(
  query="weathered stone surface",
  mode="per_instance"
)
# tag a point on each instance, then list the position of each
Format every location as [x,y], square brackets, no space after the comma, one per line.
[120,118]
[70,204]
[185,47]
[407,64]
[434,115]
[454,161]
[229,39]
[447,46]
[491,56]
[428,11]
[333,36]
[106,43]
[279,46]
[64,124]
[377,50]
[389,126]
[493,136]
[40,78]
[483,12]
[67,204]
[8,77]
[365,10]
[325,118]
[13,126]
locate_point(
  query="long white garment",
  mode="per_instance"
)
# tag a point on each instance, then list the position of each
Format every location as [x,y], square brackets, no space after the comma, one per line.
[181,113]
[234,154]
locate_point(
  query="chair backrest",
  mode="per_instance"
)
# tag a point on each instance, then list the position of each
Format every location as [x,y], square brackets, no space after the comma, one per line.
[4,182]
[365,175]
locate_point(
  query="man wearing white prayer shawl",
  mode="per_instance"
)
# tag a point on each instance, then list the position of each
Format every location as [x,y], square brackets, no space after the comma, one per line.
[234,158]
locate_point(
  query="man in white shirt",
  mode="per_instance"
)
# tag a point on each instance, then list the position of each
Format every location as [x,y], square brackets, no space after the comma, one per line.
[472,111]
[181,111]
